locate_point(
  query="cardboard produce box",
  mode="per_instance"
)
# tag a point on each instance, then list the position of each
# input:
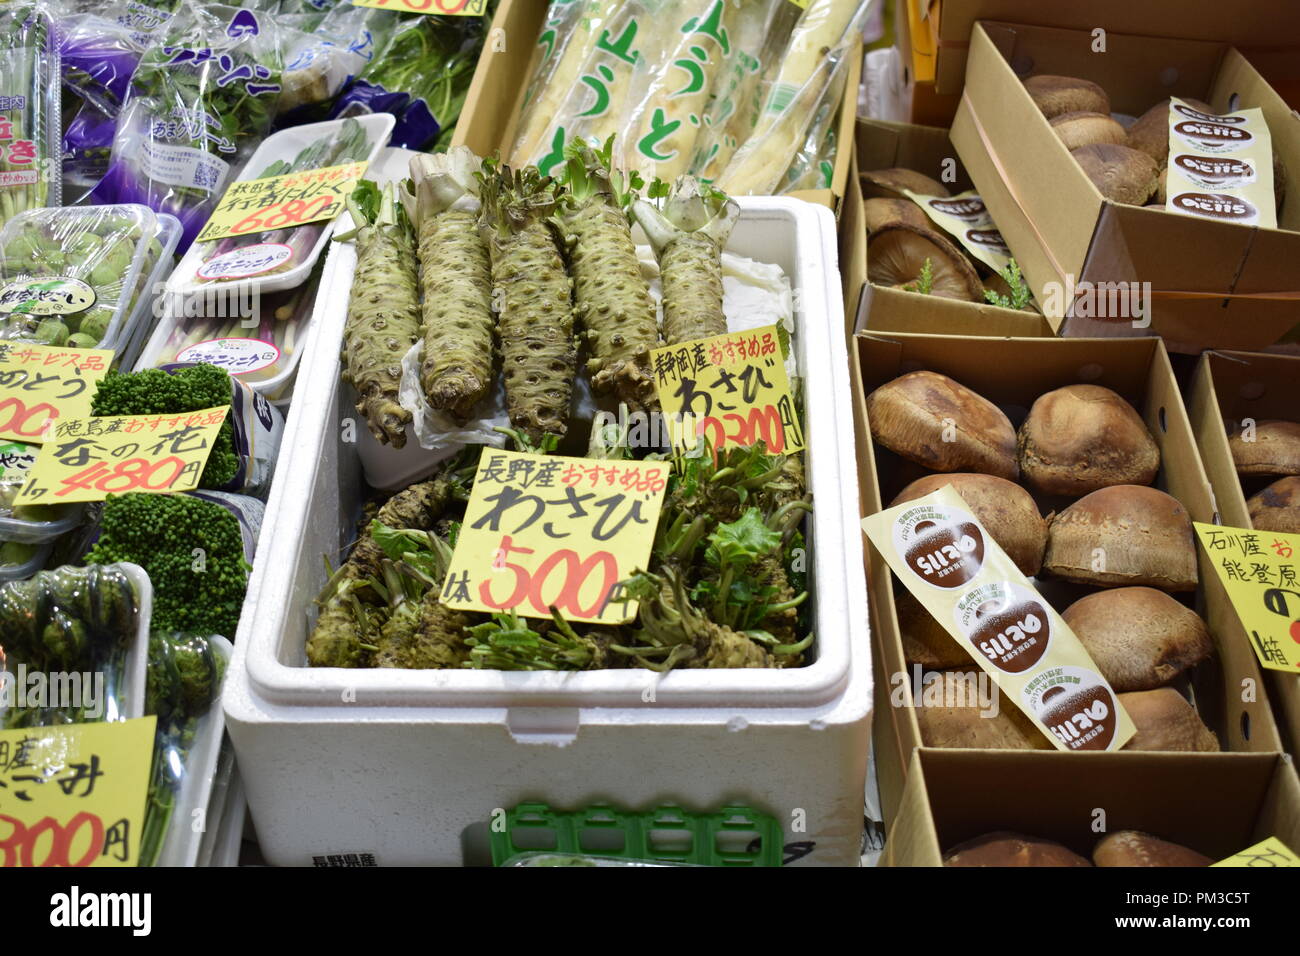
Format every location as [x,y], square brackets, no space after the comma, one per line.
[1199,283]
[1227,389]
[1216,804]
[1012,373]
[884,145]
[487,123]
[1271,27]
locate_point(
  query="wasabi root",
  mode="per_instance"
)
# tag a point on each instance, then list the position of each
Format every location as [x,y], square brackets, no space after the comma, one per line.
[688,236]
[534,295]
[383,310]
[614,307]
[455,278]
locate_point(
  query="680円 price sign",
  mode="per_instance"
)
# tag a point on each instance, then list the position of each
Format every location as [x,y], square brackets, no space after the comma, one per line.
[544,531]
[443,8]
[74,795]
[281,202]
[730,390]
[87,459]
[40,384]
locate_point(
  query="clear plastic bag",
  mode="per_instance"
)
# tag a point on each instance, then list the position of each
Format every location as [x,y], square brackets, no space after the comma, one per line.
[202,97]
[320,60]
[30,134]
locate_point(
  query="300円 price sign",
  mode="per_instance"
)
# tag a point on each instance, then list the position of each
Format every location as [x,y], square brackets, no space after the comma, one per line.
[74,795]
[545,531]
[40,384]
[87,459]
[252,206]
[729,391]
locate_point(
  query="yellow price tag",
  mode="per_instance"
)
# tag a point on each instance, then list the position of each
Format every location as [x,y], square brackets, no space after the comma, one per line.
[443,8]
[40,384]
[74,795]
[87,459]
[1271,852]
[730,390]
[251,206]
[1260,570]
[543,531]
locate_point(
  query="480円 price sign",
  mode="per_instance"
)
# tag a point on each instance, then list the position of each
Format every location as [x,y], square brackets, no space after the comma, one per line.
[88,459]
[545,531]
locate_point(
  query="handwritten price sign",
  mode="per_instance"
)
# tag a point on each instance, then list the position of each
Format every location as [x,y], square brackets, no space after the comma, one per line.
[87,459]
[730,390]
[40,384]
[543,531]
[74,795]
[1270,853]
[445,8]
[252,206]
[1260,570]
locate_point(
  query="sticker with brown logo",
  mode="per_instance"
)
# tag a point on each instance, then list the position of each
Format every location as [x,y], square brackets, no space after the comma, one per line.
[1217,206]
[1007,623]
[944,547]
[970,209]
[1215,137]
[1196,114]
[1077,705]
[1215,173]
[1202,180]
[967,220]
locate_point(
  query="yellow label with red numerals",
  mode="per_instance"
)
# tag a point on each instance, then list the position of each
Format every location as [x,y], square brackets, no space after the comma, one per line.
[73,795]
[253,206]
[729,390]
[544,531]
[442,8]
[1271,852]
[88,459]
[1260,570]
[39,384]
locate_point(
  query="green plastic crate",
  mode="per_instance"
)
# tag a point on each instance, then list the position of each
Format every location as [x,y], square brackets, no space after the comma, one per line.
[732,836]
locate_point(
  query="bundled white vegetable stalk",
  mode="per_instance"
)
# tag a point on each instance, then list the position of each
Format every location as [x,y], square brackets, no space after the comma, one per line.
[455,278]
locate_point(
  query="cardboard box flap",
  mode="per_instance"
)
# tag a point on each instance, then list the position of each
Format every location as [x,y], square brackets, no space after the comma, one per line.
[925,149]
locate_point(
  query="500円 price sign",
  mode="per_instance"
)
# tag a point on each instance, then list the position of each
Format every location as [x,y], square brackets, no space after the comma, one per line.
[74,795]
[87,459]
[252,206]
[543,531]
[40,384]
[730,390]
[1260,570]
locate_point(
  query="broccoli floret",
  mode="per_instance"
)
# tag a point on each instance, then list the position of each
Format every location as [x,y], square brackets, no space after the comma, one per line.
[192,550]
[155,392]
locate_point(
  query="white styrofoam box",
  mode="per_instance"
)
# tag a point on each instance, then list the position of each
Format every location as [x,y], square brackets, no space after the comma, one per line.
[409,765]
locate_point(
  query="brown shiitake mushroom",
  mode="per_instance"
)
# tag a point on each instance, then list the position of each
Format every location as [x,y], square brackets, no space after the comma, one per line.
[1083,437]
[897,253]
[1273,448]
[1135,848]
[1121,536]
[1161,194]
[928,418]
[1277,507]
[1139,638]
[1120,174]
[1004,848]
[1055,95]
[1006,511]
[1084,129]
[890,183]
[1150,134]
[1166,721]
[881,211]
[969,725]
[925,640]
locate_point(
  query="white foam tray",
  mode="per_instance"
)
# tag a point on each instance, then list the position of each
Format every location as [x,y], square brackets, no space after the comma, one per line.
[403,764]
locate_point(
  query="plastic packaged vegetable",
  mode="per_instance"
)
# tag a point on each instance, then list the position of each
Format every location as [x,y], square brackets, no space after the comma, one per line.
[202,97]
[319,61]
[72,276]
[29,110]
[421,77]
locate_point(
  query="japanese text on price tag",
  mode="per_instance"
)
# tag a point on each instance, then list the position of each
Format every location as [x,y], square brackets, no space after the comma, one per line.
[543,531]
[1260,570]
[40,384]
[1271,852]
[731,390]
[443,8]
[252,206]
[87,459]
[74,795]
